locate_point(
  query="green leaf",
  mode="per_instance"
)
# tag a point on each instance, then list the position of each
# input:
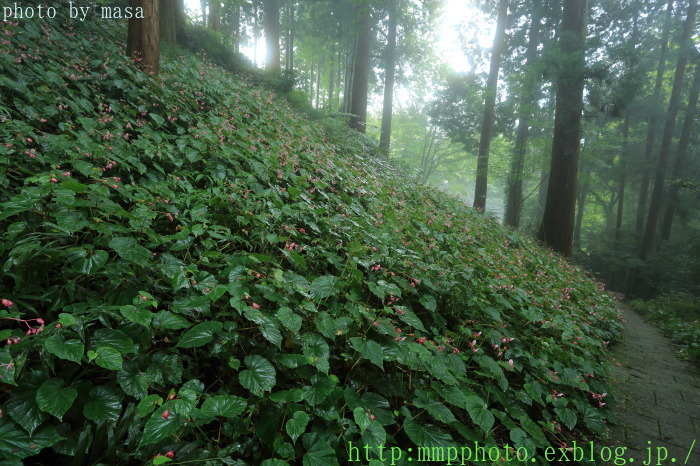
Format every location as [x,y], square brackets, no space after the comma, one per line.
[71,221]
[479,412]
[297,425]
[186,401]
[109,358]
[428,401]
[517,435]
[200,334]
[71,350]
[362,418]
[426,435]
[23,407]
[91,262]
[133,382]
[259,377]
[223,405]
[410,318]
[370,350]
[533,429]
[137,315]
[7,369]
[325,286]
[15,444]
[274,462]
[566,416]
[106,405]
[115,339]
[319,453]
[283,448]
[129,250]
[68,320]
[148,404]
[428,302]
[321,387]
[158,428]
[290,320]
[316,350]
[374,436]
[166,320]
[54,399]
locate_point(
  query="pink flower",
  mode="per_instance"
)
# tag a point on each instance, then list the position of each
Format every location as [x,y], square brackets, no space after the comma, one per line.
[7,303]
[510,362]
[256,306]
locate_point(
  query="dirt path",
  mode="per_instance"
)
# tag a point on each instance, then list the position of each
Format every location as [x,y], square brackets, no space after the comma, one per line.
[658,407]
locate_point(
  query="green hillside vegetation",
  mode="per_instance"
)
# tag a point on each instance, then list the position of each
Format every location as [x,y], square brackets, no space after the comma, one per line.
[187,265]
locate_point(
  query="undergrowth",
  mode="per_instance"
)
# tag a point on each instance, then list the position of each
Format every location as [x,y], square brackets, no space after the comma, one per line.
[678,315]
[189,267]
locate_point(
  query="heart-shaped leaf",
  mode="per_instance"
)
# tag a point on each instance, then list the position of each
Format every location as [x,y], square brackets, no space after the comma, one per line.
[54,399]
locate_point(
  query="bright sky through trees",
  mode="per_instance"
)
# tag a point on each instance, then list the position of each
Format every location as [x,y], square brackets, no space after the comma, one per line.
[460,20]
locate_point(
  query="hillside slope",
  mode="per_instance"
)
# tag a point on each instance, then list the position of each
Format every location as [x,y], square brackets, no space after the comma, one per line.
[189,266]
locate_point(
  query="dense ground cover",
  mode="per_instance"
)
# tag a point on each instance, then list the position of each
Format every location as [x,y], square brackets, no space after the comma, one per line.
[190,267]
[678,315]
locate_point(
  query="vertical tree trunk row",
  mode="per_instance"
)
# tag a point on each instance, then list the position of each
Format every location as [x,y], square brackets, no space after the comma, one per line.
[143,36]
[557,225]
[389,77]
[514,195]
[653,121]
[665,152]
[482,167]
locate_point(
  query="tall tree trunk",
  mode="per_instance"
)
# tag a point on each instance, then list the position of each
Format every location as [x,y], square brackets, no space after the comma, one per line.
[143,36]
[514,199]
[360,72]
[558,219]
[289,59]
[166,20]
[389,76]
[623,179]
[203,6]
[482,162]
[653,122]
[237,29]
[580,207]
[180,19]
[681,152]
[272,34]
[331,81]
[665,152]
[215,15]
[318,84]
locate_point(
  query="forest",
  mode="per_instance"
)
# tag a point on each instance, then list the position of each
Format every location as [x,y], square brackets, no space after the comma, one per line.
[318,232]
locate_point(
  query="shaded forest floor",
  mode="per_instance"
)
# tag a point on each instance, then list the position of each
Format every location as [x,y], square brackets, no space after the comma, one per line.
[658,409]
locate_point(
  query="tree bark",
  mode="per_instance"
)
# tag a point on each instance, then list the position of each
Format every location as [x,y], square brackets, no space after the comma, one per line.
[143,36]
[623,180]
[272,34]
[203,5]
[360,72]
[215,15]
[665,152]
[389,77]
[514,198]
[289,59]
[653,122]
[681,152]
[166,20]
[557,225]
[482,162]
[580,207]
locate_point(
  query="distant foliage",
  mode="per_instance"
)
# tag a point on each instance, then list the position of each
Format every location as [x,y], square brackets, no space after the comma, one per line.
[189,271]
[678,314]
